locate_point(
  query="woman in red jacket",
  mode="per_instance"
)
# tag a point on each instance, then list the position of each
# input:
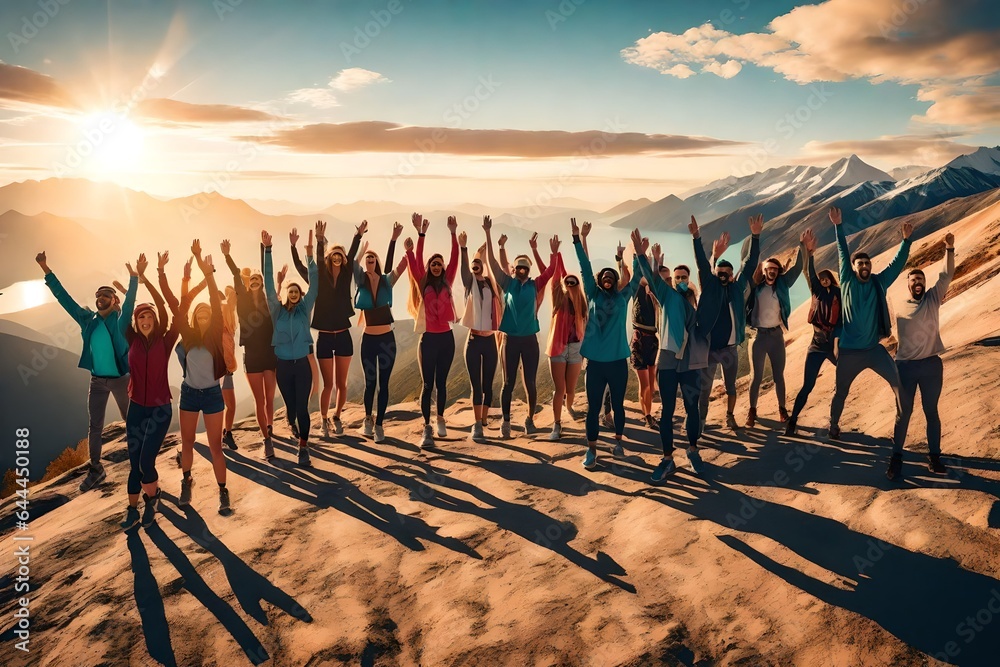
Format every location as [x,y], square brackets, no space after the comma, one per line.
[149,410]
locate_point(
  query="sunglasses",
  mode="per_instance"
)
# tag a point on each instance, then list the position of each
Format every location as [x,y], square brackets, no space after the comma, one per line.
[437,264]
[520,268]
[571,283]
[728,274]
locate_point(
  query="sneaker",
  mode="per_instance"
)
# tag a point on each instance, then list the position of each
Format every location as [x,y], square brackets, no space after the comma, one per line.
[295,429]
[149,509]
[229,441]
[618,451]
[833,432]
[326,427]
[224,505]
[782,415]
[304,460]
[185,498]
[529,426]
[477,432]
[895,466]
[428,441]
[94,477]
[696,463]
[379,433]
[608,420]
[665,468]
[790,426]
[442,430]
[934,464]
[590,459]
[652,423]
[505,430]
[368,428]
[731,422]
[556,432]
[751,417]
[268,449]
[338,426]
[131,518]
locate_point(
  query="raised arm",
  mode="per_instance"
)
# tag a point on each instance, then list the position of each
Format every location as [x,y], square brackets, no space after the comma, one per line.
[946,275]
[451,269]
[161,306]
[273,304]
[75,310]
[792,274]
[466,271]
[586,272]
[238,285]
[548,271]
[533,242]
[502,277]
[843,252]
[753,257]
[633,285]
[504,258]
[558,273]
[890,273]
[168,294]
[300,268]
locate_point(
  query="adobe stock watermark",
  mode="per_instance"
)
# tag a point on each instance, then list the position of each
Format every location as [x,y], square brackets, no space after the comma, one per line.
[454,117]
[971,627]
[901,14]
[562,12]
[32,25]
[223,7]
[370,31]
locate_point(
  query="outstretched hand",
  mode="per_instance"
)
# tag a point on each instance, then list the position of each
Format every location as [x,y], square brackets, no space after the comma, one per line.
[808,239]
[585,230]
[362,228]
[620,250]
[554,244]
[756,224]
[574,227]
[187,268]
[693,228]
[196,247]
[162,258]
[141,264]
[487,223]
[281,274]
[397,229]
[293,237]
[463,240]
[452,223]
[502,241]
[907,230]
[835,216]
[408,244]
[720,245]
[949,241]
[320,230]
[131,271]
[533,241]
[265,238]
[226,246]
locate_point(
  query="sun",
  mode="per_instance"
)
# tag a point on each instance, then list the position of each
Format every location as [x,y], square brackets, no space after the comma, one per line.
[114,142]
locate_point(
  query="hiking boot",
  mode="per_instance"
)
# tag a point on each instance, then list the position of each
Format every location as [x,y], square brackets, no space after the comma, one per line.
[224,505]
[338,426]
[833,432]
[895,469]
[590,459]
[94,477]
[428,441]
[368,427]
[782,415]
[665,468]
[268,449]
[731,421]
[934,464]
[505,429]
[556,432]
[229,441]
[695,459]
[529,425]
[185,498]
[149,509]
[751,417]
[619,451]
[304,460]
[131,518]
[477,432]
[442,430]
[790,426]
[326,427]
[379,433]
[652,423]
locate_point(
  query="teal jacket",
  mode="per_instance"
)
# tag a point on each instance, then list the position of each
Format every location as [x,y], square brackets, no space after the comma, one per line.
[292,337]
[606,338]
[714,295]
[781,287]
[673,308]
[863,328]
[116,322]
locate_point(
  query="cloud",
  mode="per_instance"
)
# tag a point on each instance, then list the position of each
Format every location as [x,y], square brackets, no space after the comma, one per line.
[321,98]
[346,80]
[23,88]
[383,137]
[940,47]
[183,113]
[929,149]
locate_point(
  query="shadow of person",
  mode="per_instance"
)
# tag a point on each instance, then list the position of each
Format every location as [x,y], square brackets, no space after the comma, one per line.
[194,584]
[149,603]
[249,586]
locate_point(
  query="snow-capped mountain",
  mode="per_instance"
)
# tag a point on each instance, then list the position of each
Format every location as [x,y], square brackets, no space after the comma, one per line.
[909,171]
[927,190]
[986,160]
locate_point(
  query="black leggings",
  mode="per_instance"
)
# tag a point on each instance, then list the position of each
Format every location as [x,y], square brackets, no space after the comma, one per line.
[145,429]
[521,350]
[814,362]
[690,384]
[378,355]
[436,352]
[295,382]
[613,375]
[481,359]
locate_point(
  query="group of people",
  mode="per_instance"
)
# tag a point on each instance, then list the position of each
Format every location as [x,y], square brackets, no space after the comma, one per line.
[679,340]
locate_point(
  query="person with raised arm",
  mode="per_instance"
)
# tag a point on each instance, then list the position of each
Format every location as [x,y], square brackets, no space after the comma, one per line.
[520,327]
[432,305]
[824,316]
[256,332]
[204,365]
[866,323]
[918,358]
[645,345]
[150,410]
[683,356]
[722,311]
[605,345]
[378,342]
[771,306]
[300,268]
[104,356]
[566,332]
[292,340]
[483,313]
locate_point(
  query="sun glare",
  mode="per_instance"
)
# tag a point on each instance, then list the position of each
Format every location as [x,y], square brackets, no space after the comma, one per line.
[24,295]
[115,142]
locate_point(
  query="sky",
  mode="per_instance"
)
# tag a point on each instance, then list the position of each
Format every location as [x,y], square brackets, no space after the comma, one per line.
[500,103]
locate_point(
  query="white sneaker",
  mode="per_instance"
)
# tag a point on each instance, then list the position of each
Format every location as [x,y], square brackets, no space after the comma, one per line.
[477,432]
[379,433]
[428,441]
[338,426]
[326,427]
[556,432]
[505,430]
[442,430]
[529,426]
[368,428]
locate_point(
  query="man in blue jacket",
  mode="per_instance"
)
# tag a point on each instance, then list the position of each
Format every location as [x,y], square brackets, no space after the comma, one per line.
[722,311]
[105,355]
[866,322]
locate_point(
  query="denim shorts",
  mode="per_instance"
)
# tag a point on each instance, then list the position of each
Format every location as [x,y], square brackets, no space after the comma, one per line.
[208,401]
[570,354]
